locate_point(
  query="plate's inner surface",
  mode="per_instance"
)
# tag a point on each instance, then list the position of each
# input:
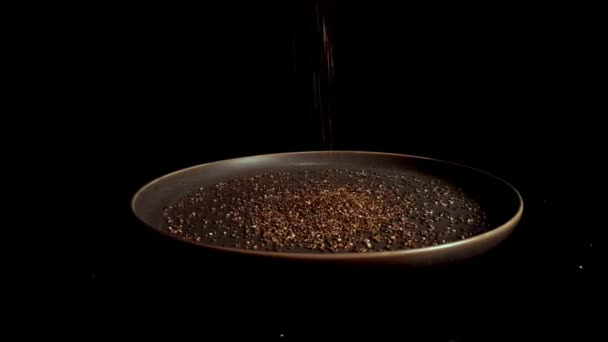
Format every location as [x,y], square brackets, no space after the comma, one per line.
[300,206]
[333,210]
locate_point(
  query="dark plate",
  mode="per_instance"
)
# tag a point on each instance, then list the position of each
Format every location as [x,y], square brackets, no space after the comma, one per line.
[499,200]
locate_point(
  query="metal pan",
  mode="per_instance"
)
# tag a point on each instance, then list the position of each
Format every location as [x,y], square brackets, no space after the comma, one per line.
[500,200]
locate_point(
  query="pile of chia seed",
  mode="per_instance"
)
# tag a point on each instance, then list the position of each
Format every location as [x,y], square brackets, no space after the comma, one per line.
[327,211]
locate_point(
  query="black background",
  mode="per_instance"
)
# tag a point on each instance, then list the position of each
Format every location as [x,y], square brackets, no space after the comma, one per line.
[510,90]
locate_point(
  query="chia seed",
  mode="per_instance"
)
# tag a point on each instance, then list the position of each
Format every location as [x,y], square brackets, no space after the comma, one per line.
[319,211]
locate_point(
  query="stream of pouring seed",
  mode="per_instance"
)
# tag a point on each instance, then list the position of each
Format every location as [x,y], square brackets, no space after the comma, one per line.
[323,78]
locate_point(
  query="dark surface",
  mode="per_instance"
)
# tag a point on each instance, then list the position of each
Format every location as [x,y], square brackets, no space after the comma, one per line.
[326,208]
[510,91]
